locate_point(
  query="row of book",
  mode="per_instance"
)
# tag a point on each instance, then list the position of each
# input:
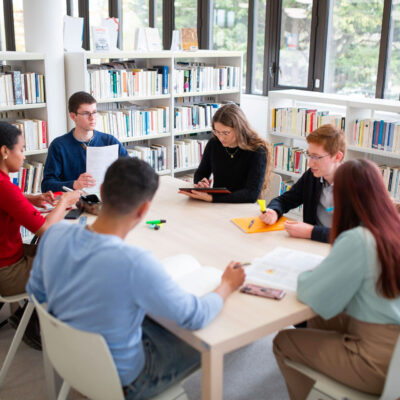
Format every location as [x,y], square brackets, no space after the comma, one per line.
[302,121]
[197,116]
[188,152]
[107,81]
[29,177]
[20,88]
[377,134]
[391,177]
[201,78]
[134,121]
[155,155]
[34,132]
[291,159]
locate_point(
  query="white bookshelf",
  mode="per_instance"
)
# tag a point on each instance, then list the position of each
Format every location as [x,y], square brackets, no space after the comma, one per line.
[77,79]
[352,108]
[26,62]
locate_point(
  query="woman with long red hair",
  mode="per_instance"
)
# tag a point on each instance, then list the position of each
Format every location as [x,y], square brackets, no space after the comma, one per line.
[355,291]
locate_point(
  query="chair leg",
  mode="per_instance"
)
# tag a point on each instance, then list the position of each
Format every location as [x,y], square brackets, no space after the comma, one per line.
[64,391]
[16,341]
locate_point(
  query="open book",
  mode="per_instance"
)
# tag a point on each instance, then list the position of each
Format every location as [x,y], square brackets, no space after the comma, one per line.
[280,268]
[191,276]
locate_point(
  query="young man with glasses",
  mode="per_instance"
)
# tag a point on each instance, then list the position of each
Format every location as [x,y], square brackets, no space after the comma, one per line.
[326,150]
[66,158]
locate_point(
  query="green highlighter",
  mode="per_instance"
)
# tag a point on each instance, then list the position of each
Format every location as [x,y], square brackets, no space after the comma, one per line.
[156,221]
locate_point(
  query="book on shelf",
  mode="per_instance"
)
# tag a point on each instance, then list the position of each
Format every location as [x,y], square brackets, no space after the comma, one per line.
[34,132]
[125,79]
[195,116]
[126,120]
[188,152]
[391,178]
[18,88]
[29,177]
[291,159]
[155,155]
[189,39]
[302,121]
[153,39]
[377,134]
[198,77]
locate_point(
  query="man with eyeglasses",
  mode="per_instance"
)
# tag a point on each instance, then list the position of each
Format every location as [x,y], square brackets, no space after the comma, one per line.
[326,150]
[66,158]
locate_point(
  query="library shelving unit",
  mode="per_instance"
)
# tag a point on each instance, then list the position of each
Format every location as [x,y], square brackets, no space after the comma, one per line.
[77,79]
[352,108]
[25,62]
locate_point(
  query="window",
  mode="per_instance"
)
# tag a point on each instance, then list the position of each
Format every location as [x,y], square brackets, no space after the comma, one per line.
[230,28]
[135,14]
[19,25]
[185,14]
[259,56]
[294,46]
[393,69]
[98,10]
[353,46]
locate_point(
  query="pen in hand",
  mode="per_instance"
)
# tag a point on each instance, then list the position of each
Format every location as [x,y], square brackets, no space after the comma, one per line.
[239,265]
[251,223]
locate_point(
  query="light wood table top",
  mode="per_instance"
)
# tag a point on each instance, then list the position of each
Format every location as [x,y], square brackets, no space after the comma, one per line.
[205,231]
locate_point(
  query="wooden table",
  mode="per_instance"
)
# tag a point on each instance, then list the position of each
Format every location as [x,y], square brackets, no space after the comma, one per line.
[206,232]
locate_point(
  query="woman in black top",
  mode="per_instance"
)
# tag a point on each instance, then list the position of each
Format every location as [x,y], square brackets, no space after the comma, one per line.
[236,156]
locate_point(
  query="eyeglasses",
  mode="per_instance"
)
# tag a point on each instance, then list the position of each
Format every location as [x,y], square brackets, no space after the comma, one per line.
[315,158]
[87,114]
[222,133]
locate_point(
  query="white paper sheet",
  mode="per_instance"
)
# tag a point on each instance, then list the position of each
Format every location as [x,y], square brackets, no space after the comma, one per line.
[191,276]
[73,33]
[98,159]
[281,267]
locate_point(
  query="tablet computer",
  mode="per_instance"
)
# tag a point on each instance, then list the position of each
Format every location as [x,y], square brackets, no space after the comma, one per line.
[207,190]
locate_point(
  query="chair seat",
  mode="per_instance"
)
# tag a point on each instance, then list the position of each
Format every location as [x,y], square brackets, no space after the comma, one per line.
[325,384]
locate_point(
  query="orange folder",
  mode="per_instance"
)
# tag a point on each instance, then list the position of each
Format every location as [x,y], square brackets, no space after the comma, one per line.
[258,226]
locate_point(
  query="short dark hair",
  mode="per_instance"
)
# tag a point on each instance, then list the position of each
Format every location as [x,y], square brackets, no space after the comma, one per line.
[79,98]
[8,135]
[128,183]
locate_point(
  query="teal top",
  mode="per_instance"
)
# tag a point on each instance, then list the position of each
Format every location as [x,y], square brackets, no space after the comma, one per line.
[346,281]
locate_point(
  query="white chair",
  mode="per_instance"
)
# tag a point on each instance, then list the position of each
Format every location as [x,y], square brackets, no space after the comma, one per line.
[326,388]
[18,334]
[84,361]
[274,187]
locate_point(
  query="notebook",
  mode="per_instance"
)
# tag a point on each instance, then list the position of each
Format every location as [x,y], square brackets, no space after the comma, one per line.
[258,226]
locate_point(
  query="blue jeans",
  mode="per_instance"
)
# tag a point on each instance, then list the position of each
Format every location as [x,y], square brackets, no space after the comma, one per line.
[168,360]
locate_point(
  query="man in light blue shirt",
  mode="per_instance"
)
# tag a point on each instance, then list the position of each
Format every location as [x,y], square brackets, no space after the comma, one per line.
[93,281]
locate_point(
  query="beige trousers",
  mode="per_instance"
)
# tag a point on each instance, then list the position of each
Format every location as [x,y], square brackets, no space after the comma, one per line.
[350,351]
[14,277]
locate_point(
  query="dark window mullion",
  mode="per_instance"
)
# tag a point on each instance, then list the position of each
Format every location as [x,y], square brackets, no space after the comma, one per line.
[251,44]
[153,13]
[70,8]
[205,10]
[384,50]
[83,6]
[319,33]
[9,24]
[168,22]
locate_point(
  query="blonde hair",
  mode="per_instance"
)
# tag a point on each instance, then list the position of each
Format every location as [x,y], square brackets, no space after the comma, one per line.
[247,138]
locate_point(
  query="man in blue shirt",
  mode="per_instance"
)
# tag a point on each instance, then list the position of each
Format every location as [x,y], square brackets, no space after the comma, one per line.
[93,281]
[66,158]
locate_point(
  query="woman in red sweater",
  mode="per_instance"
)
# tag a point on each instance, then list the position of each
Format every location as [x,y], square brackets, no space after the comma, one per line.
[16,210]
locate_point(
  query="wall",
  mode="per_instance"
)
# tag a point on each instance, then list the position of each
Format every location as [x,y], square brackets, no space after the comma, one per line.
[256,110]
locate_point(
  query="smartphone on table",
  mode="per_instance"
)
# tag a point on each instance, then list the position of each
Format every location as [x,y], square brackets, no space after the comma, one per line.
[257,290]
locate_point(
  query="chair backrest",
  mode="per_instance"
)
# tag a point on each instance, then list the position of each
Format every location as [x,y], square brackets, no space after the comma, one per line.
[274,188]
[81,358]
[391,389]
